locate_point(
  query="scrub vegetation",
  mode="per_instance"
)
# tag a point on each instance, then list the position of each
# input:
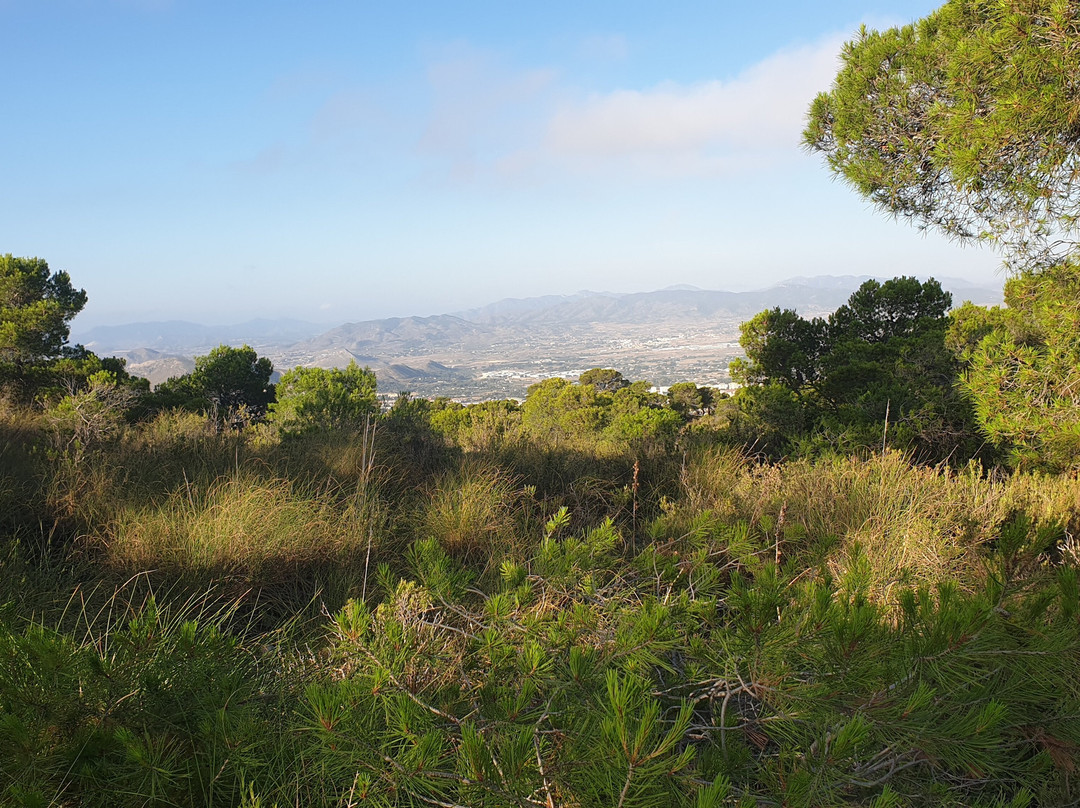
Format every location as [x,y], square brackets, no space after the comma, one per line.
[853,582]
[602,596]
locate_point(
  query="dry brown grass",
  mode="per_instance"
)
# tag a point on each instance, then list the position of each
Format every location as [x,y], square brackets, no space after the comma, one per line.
[914,524]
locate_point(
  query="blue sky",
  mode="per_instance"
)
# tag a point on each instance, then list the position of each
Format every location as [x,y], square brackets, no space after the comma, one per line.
[336,161]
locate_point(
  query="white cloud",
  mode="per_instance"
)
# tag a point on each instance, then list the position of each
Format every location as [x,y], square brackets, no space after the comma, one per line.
[709,127]
[489,121]
[480,109]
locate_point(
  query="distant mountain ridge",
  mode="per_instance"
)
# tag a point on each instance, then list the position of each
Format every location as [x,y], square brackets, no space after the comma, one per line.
[813,295]
[156,365]
[181,336]
[672,334]
[399,332]
[809,295]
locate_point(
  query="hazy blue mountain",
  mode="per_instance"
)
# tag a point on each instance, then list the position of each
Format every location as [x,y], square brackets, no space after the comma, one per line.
[513,308]
[678,303]
[180,336]
[835,290]
[675,334]
[398,333]
[681,303]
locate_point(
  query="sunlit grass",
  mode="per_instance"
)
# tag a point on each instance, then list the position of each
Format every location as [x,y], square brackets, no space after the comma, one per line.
[914,524]
[241,522]
[471,511]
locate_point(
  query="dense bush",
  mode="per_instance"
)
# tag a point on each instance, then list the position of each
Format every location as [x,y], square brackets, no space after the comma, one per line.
[320,399]
[467,615]
[602,596]
[876,373]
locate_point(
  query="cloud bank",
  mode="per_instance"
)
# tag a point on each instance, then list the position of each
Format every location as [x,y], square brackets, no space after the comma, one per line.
[708,127]
[485,121]
[750,122]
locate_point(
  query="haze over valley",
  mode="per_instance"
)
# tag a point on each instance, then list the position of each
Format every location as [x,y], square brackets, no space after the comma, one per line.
[322,484]
[497,350]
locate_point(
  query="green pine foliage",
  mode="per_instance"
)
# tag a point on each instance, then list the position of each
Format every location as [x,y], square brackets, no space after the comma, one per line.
[876,373]
[163,708]
[603,596]
[231,385]
[833,632]
[963,122]
[1023,368]
[36,307]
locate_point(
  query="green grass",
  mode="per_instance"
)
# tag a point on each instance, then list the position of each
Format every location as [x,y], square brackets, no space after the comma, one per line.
[193,618]
[470,511]
[913,524]
[241,522]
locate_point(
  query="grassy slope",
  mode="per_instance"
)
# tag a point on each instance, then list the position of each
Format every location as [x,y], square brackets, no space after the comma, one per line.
[196,619]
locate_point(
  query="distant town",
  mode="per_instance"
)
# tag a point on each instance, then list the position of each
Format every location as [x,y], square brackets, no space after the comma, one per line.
[499,350]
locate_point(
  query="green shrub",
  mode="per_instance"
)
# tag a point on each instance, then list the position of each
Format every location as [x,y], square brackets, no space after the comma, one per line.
[320,399]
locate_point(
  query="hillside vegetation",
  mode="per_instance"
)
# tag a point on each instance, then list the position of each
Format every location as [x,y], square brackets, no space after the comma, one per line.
[854,582]
[220,593]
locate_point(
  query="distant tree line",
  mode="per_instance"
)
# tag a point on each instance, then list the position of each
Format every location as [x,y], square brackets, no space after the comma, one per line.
[894,367]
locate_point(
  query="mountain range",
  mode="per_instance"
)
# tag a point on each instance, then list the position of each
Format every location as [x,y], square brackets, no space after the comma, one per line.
[674,334]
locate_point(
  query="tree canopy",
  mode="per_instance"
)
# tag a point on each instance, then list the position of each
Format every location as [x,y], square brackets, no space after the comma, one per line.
[1023,368]
[602,405]
[36,306]
[605,380]
[967,121]
[322,399]
[877,367]
[231,378]
[226,384]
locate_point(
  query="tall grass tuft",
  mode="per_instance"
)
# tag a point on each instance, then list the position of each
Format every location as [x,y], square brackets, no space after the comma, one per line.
[470,512]
[243,523]
[22,506]
[912,524]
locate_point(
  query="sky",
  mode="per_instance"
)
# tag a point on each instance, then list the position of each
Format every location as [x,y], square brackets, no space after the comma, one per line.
[343,160]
